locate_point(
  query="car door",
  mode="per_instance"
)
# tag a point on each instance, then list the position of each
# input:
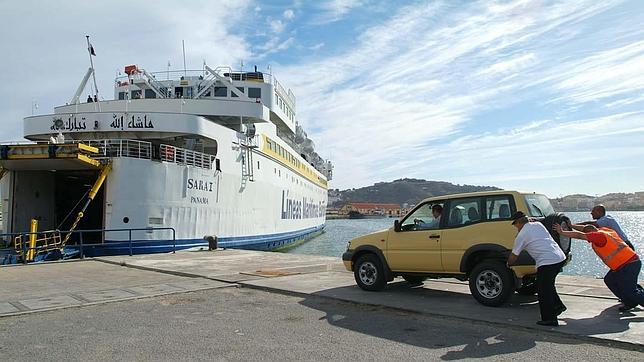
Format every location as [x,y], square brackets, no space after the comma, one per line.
[475,221]
[463,218]
[415,248]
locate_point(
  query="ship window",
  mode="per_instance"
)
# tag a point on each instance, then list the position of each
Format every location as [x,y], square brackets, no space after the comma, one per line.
[149,93]
[136,94]
[241,89]
[188,92]
[221,92]
[178,92]
[254,92]
[122,95]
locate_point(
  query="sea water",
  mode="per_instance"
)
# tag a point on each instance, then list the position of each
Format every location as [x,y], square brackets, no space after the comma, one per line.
[333,241]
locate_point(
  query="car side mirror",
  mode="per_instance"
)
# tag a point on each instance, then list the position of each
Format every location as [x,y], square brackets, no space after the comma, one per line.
[396,225]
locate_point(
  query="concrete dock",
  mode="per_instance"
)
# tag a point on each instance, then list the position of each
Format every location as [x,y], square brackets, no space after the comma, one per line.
[592,313]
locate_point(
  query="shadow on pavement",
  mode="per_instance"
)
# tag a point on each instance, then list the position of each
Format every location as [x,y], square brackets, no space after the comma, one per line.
[478,340]
[610,320]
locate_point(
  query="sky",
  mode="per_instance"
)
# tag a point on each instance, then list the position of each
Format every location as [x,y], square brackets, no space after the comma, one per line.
[541,96]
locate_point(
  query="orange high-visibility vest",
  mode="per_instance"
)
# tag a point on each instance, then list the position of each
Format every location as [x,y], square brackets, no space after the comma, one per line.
[615,252]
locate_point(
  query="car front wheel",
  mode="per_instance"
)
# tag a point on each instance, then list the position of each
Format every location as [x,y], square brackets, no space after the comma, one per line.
[491,283]
[369,273]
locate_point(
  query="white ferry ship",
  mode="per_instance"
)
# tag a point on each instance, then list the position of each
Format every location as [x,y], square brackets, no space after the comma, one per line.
[174,158]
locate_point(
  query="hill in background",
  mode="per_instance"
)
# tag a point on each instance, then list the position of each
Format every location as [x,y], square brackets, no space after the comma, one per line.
[410,191]
[404,191]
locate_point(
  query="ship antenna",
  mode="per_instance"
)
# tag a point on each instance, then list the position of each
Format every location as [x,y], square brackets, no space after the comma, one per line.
[183,45]
[90,50]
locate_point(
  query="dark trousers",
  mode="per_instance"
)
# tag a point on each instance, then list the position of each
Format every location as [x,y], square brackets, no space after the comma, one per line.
[549,301]
[623,283]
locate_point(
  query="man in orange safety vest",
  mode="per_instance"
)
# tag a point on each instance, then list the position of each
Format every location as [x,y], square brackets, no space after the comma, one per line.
[623,262]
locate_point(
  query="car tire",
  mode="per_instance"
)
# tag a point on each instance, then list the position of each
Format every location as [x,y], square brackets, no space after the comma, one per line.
[529,287]
[414,279]
[557,218]
[369,273]
[491,283]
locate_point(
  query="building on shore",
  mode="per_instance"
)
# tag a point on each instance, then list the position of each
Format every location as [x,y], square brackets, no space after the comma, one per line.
[374,209]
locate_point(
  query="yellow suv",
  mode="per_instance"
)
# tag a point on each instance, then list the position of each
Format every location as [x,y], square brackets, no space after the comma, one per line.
[468,237]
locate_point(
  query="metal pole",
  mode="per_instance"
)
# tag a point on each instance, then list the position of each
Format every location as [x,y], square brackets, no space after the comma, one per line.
[174,241]
[91,62]
[183,46]
[24,250]
[81,245]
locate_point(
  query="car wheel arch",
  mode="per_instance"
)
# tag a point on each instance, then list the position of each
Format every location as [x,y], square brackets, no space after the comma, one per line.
[370,249]
[482,251]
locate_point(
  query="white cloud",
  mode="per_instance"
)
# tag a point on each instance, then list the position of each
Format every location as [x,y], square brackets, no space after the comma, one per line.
[277,26]
[317,46]
[510,65]
[288,14]
[334,10]
[606,74]
[388,106]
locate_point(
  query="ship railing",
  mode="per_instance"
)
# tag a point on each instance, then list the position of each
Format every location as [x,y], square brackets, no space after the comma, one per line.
[145,150]
[48,241]
[175,75]
[121,148]
[280,89]
[183,156]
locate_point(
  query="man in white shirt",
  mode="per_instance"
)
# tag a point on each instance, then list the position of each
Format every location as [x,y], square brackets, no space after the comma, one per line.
[549,258]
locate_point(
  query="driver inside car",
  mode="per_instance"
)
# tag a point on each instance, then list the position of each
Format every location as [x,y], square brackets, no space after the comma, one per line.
[434,223]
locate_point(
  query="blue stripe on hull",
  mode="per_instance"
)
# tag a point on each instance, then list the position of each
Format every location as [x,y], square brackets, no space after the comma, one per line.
[259,242]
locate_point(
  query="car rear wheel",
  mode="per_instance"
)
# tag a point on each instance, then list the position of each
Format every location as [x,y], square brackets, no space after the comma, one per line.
[369,273]
[491,283]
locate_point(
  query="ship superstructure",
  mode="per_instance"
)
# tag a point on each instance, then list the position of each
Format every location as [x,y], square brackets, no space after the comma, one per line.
[191,154]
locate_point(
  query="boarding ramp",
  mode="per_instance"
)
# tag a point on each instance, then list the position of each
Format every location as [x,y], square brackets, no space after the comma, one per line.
[35,166]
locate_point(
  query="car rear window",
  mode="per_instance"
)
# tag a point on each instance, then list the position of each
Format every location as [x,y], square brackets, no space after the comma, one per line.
[538,205]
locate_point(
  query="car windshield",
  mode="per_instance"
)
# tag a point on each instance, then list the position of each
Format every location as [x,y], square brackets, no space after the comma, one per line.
[538,205]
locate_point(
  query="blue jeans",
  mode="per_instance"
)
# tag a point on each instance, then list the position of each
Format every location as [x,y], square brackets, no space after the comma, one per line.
[623,283]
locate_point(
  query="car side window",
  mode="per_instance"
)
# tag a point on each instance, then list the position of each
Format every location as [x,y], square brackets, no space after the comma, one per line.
[498,207]
[464,211]
[422,218]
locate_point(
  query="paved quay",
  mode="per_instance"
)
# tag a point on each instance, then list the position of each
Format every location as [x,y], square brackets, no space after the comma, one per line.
[592,313]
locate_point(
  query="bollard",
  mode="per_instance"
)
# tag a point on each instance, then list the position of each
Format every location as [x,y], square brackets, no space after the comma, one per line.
[31,252]
[212,242]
